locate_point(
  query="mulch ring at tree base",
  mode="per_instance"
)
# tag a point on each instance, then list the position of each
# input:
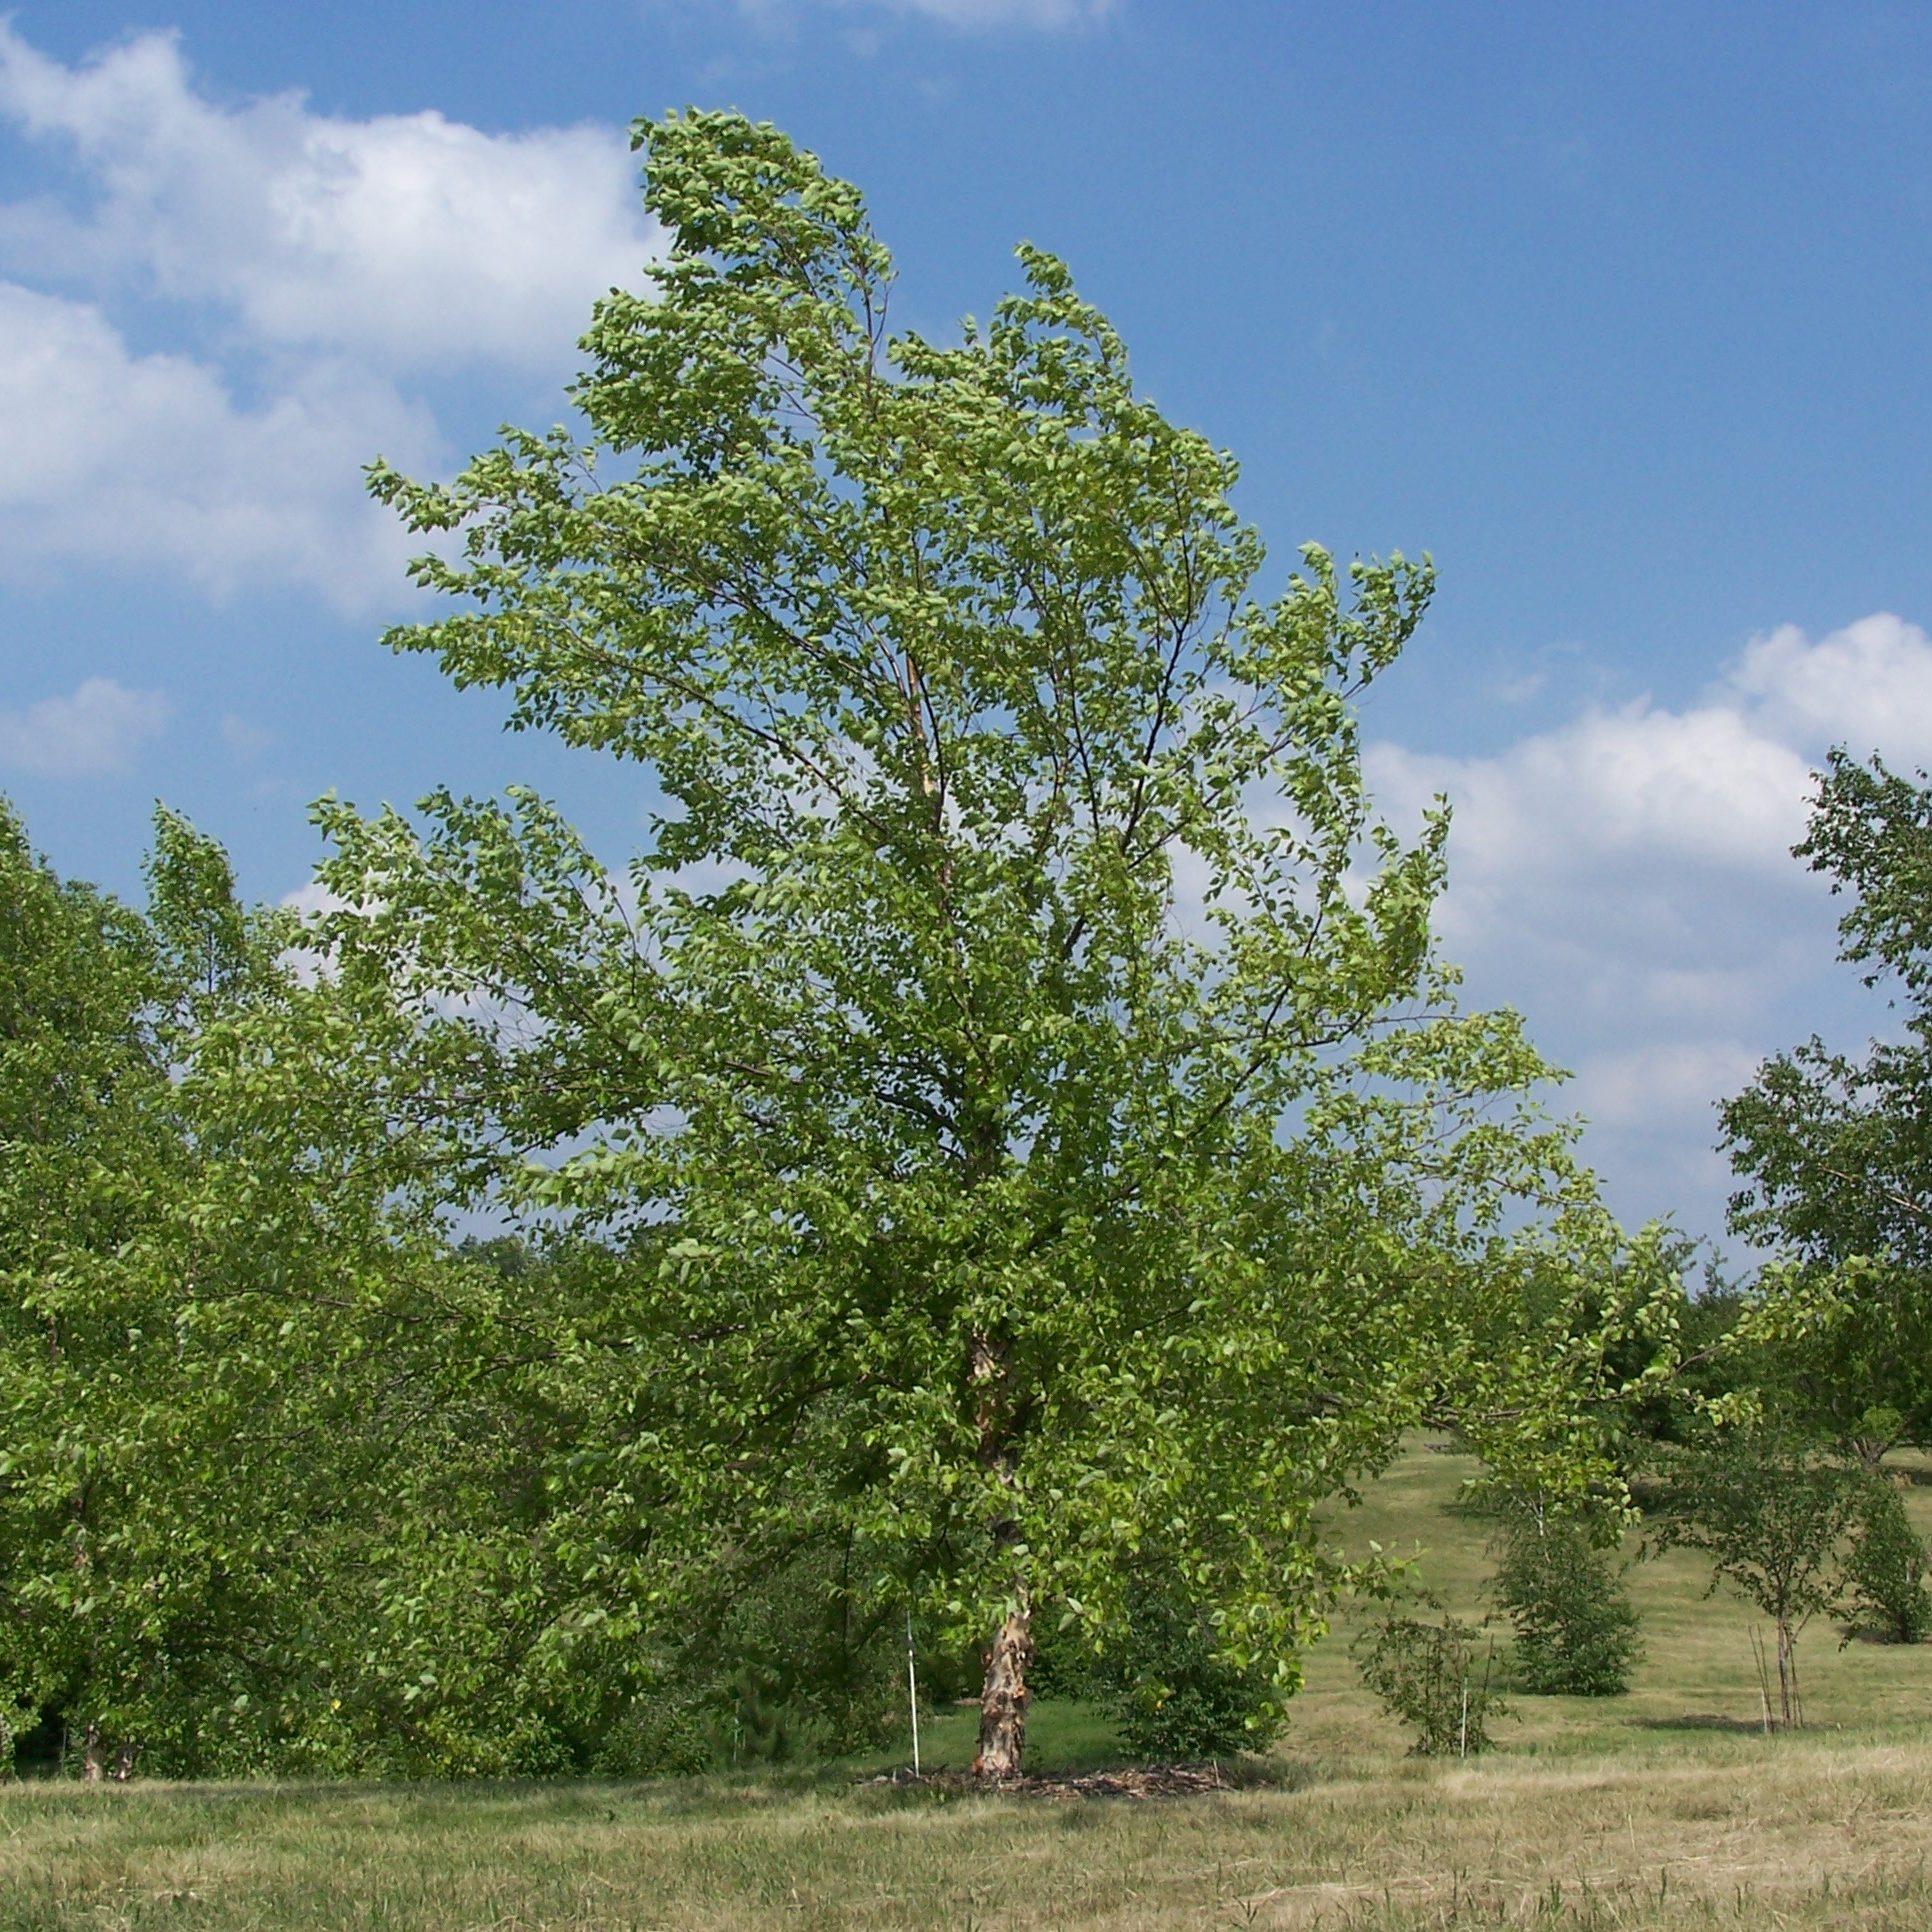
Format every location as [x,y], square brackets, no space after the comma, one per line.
[1134,1781]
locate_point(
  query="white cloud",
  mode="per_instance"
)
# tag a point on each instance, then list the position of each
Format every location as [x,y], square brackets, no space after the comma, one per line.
[1663,1087]
[1702,784]
[312,902]
[1626,879]
[142,460]
[409,241]
[1654,1125]
[1868,686]
[318,262]
[1654,844]
[1629,870]
[92,734]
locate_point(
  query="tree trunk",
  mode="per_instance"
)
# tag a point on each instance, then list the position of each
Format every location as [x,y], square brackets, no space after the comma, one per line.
[1003,1697]
[91,1753]
[1791,1709]
[1003,1692]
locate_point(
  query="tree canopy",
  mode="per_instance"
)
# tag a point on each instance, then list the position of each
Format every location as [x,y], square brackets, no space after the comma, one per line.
[1008,1115]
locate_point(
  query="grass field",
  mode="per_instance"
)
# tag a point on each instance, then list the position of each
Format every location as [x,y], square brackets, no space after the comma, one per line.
[1667,1807]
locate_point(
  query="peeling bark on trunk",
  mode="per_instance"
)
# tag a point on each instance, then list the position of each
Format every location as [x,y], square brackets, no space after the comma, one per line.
[1003,1698]
[1003,1690]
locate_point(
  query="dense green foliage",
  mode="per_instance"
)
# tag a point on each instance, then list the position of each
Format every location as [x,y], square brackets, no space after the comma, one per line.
[86,1155]
[1885,1570]
[203,1277]
[1577,1631]
[272,1485]
[1175,1694]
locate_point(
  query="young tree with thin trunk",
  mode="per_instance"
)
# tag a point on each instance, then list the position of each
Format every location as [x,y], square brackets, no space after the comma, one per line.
[1771,1511]
[1011,1097]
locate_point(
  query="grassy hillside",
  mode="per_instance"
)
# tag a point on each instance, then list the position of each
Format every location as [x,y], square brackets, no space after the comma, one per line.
[1697,1677]
[1663,1808]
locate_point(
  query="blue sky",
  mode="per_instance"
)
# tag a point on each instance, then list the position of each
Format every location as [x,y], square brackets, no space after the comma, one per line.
[1619,312]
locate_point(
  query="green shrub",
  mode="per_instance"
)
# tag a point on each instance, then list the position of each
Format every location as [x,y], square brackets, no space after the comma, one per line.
[1176,1697]
[1886,1569]
[1576,1628]
[1434,1677]
[657,1736]
[774,1661]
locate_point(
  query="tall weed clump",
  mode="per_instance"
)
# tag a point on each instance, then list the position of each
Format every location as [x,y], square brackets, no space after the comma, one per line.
[1438,1678]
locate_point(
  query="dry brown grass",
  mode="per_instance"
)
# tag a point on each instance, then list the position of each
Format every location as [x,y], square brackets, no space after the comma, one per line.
[1800,1833]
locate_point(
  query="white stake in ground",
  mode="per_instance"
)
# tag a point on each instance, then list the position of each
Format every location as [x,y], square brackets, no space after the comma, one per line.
[912,1694]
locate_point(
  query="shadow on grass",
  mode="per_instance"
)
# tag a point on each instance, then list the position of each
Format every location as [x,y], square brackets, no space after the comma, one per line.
[1865,1633]
[392,1806]
[1700,1721]
[1119,1781]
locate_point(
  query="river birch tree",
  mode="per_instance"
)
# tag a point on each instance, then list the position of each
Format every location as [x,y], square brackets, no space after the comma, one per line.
[1010,1094]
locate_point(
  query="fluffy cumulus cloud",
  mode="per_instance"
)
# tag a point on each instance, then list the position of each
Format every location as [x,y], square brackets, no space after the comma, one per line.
[408,241]
[94,733]
[1626,879]
[303,272]
[1868,687]
[150,461]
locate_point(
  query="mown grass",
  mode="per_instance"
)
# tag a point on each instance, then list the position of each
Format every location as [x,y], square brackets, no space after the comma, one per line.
[1663,1808]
